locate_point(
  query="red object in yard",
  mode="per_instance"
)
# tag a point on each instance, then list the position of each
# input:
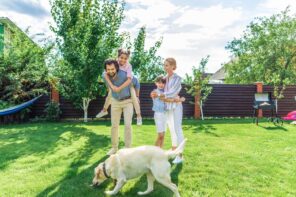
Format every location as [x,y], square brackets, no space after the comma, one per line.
[290,116]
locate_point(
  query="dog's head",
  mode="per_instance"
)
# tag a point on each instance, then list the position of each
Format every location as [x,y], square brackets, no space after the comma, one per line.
[99,175]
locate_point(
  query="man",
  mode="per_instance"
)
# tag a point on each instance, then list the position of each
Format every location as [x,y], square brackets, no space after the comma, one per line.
[121,102]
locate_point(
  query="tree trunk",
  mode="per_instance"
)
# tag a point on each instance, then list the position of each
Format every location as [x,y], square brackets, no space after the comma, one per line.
[201,111]
[85,107]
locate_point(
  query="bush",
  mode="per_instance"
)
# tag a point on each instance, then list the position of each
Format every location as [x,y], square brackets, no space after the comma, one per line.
[4,105]
[52,111]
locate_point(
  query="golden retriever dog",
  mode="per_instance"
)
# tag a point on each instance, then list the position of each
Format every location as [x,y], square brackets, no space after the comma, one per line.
[131,163]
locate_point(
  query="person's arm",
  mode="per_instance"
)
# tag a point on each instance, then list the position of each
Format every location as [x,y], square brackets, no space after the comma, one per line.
[125,84]
[107,79]
[174,90]
[129,78]
[153,94]
[173,100]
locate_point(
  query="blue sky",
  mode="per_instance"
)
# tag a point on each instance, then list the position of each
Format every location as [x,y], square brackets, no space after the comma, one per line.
[191,29]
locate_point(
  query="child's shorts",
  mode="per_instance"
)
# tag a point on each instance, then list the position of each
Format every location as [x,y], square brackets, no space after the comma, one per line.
[160,121]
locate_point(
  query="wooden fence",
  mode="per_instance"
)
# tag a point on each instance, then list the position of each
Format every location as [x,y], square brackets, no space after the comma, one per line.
[224,101]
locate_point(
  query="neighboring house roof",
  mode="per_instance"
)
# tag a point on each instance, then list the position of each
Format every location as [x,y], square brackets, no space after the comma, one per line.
[12,26]
[207,75]
[219,75]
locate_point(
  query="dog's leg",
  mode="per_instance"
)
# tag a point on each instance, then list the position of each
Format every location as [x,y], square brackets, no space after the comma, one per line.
[150,181]
[166,181]
[119,184]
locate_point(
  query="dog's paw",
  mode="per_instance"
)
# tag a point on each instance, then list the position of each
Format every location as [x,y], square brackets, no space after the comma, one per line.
[144,193]
[110,193]
[141,193]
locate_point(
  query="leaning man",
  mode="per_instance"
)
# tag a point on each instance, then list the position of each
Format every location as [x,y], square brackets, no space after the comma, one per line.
[121,102]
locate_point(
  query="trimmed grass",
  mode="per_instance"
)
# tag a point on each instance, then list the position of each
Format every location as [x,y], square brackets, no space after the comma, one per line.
[229,157]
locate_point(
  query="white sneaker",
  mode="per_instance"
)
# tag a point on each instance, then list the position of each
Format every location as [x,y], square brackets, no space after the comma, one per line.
[178,160]
[101,114]
[111,151]
[139,121]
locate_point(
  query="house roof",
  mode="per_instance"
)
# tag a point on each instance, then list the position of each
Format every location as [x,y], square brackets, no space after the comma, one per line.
[219,75]
[12,25]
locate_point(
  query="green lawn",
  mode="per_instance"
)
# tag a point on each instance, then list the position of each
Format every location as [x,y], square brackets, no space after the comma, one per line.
[223,158]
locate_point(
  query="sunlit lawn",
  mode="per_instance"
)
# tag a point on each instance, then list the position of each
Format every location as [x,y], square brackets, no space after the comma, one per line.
[228,157]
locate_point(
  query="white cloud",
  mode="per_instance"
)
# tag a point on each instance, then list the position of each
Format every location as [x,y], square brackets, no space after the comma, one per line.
[189,32]
[213,18]
[274,6]
[24,20]
[150,13]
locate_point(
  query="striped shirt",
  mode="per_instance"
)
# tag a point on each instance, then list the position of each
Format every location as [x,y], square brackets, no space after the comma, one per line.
[172,89]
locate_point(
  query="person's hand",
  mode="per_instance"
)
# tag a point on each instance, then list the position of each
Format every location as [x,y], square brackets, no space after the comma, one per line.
[153,94]
[115,89]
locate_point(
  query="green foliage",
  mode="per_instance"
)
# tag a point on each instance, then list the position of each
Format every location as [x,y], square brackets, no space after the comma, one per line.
[1,38]
[52,111]
[4,104]
[266,52]
[197,84]
[147,65]
[23,72]
[87,34]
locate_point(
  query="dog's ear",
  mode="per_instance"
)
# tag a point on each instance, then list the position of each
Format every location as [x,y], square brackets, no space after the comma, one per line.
[98,171]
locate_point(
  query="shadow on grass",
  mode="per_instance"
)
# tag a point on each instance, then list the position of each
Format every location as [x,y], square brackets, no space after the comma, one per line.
[45,139]
[42,140]
[202,128]
[273,128]
[76,184]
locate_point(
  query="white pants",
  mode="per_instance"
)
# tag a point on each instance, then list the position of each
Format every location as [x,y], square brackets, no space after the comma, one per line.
[174,121]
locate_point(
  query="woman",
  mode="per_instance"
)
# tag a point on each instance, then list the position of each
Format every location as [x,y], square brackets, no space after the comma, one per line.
[174,110]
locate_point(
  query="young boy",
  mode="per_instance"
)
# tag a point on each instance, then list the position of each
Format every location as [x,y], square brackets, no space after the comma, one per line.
[160,109]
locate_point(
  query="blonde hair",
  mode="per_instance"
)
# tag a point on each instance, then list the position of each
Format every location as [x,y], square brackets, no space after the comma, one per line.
[172,62]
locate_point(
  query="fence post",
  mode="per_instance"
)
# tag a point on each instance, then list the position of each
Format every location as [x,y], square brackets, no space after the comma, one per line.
[259,90]
[196,107]
[54,92]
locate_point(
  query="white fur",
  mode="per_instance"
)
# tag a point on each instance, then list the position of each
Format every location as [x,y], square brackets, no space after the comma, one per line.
[131,163]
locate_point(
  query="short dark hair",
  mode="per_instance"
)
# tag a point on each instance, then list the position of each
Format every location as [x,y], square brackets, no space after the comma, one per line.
[111,61]
[160,79]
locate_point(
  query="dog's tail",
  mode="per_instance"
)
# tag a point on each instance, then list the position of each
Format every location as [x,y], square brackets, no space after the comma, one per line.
[173,153]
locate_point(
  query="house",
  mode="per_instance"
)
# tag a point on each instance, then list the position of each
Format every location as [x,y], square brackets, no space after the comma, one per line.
[7,29]
[219,76]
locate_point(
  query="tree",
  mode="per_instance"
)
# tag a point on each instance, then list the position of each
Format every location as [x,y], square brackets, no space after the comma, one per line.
[197,84]
[146,64]
[266,52]
[23,71]
[87,34]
